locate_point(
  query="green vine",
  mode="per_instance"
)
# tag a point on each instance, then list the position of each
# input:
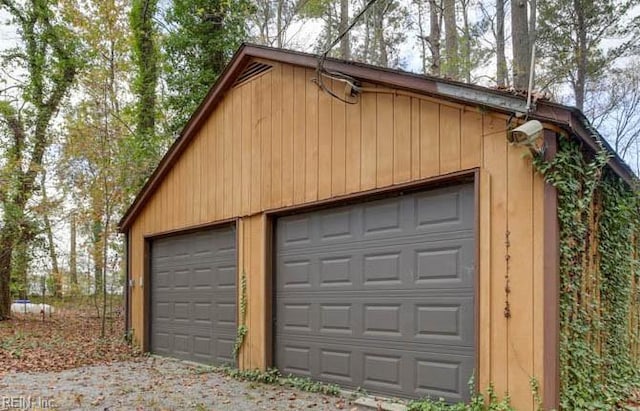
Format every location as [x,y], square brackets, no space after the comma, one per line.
[478,402]
[273,376]
[599,221]
[241,332]
[535,392]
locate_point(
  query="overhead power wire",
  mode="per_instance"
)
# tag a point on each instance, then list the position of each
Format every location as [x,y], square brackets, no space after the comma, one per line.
[345,31]
[321,72]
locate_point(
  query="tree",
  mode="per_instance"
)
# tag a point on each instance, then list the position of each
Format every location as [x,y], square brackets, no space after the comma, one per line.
[46,55]
[144,143]
[96,154]
[384,30]
[428,25]
[501,60]
[202,36]
[521,43]
[451,59]
[73,253]
[471,51]
[273,18]
[46,208]
[571,36]
[435,18]
[345,46]
[614,109]
[329,11]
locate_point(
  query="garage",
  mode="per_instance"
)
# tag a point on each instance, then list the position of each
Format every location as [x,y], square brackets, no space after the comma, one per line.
[392,236]
[380,295]
[193,295]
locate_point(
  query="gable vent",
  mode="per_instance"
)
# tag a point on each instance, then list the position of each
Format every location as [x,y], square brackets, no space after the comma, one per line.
[254,69]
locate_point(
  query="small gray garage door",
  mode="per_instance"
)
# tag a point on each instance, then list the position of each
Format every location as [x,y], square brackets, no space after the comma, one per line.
[193,296]
[380,295]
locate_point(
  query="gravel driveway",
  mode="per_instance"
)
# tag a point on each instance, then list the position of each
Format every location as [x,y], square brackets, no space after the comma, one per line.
[153,384]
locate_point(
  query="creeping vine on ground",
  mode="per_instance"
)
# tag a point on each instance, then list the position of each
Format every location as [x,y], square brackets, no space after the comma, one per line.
[478,402]
[273,376]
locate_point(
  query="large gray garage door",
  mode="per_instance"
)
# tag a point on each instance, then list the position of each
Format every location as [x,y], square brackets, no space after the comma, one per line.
[380,295]
[193,296]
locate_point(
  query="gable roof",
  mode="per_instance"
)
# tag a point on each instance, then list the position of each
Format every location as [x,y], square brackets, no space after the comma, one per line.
[568,118]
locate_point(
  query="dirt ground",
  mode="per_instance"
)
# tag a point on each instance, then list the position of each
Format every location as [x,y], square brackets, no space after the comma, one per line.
[64,363]
[153,383]
[70,338]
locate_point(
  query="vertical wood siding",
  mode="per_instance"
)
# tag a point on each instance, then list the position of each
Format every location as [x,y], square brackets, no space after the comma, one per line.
[277,141]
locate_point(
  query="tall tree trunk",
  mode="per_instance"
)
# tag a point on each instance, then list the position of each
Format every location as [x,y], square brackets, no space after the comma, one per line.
[144,34]
[424,39]
[73,253]
[434,36]
[218,60]
[279,25]
[579,84]
[345,51]
[464,71]
[501,60]
[20,265]
[96,245]
[105,237]
[55,269]
[366,46]
[521,44]
[6,252]
[378,33]
[452,61]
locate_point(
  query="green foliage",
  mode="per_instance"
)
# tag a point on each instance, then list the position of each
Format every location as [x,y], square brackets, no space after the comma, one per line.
[241,333]
[45,63]
[570,40]
[202,36]
[535,391]
[314,8]
[599,238]
[273,376]
[478,402]
[145,147]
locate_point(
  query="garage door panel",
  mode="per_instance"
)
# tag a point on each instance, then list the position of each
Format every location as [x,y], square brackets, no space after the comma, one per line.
[224,349]
[447,211]
[420,264]
[193,296]
[380,242]
[225,276]
[381,294]
[442,375]
[393,370]
[401,317]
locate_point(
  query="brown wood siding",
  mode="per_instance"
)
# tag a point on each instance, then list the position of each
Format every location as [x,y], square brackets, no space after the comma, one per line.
[275,141]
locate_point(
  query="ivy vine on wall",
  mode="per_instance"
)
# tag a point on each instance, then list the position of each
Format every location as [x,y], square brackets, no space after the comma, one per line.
[599,221]
[241,332]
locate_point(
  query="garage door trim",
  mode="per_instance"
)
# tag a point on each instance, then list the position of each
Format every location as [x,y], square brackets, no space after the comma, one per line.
[431,183]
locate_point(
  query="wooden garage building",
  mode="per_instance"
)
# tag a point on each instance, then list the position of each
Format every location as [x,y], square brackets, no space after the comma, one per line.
[399,243]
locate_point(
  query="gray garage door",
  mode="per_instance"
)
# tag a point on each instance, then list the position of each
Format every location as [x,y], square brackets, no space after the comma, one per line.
[193,296]
[380,295]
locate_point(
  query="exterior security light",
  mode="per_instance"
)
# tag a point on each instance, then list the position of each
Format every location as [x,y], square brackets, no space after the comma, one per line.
[526,134]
